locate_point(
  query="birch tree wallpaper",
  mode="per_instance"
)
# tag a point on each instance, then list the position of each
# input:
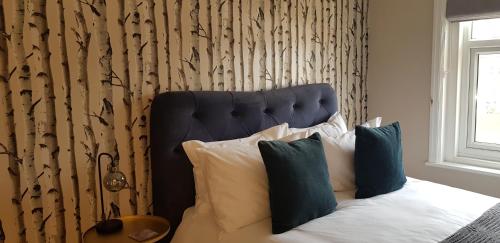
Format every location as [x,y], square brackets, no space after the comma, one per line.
[77,78]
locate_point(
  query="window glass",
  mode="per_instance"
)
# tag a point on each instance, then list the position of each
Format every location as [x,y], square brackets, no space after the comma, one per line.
[488,99]
[486,29]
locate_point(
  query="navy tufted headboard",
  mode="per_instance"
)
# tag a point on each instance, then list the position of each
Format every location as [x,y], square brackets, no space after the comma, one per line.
[211,116]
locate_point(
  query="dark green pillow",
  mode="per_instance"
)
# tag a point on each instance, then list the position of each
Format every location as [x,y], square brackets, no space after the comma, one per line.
[299,185]
[378,160]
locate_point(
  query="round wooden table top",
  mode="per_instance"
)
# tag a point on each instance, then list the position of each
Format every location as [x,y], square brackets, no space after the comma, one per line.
[131,224]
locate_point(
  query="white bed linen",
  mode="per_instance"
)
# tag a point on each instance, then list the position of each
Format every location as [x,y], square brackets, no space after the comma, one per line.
[419,212]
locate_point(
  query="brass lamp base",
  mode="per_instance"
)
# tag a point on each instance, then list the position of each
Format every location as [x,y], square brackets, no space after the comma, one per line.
[109,226]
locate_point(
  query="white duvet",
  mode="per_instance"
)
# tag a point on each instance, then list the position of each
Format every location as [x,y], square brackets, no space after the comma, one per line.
[420,212]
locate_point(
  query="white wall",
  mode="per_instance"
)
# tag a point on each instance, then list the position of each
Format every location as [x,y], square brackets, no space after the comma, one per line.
[399,82]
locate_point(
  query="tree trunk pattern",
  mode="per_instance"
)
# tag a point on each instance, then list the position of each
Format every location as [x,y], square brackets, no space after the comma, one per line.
[280,51]
[183,84]
[241,45]
[295,41]
[364,62]
[313,72]
[272,68]
[326,21]
[27,116]
[353,65]
[105,112]
[218,47]
[139,133]
[89,143]
[210,46]
[10,148]
[251,48]
[357,65]
[151,65]
[124,78]
[151,81]
[346,48]
[46,116]
[340,53]
[194,60]
[66,84]
[332,45]
[228,46]
[321,40]
[303,38]
[168,70]
[287,52]
[242,65]
[261,44]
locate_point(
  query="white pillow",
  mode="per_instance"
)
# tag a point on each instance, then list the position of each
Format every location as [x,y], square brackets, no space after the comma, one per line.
[235,175]
[335,126]
[202,203]
[237,184]
[339,151]
[223,170]
[233,179]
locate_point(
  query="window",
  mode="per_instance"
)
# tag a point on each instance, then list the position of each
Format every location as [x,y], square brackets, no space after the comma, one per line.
[478,99]
[487,113]
[465,107]
[485,29]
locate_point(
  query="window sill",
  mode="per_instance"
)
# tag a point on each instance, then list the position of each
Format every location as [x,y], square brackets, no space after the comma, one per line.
[465,168]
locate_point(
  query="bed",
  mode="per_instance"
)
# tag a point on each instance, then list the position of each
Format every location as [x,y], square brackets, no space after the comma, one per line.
[437,211]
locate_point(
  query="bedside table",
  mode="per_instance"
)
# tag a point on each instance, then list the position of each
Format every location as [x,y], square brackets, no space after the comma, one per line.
[131,224]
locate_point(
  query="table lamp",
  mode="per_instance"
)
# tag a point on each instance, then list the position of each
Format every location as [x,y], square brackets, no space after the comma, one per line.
[114,181]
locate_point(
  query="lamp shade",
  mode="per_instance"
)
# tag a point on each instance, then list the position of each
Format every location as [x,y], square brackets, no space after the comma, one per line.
[114,180]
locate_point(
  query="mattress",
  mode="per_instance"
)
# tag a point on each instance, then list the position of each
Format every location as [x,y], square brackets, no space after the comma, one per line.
[421,211]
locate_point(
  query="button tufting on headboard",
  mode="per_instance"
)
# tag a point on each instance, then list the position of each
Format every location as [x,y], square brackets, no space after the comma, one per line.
[209,116]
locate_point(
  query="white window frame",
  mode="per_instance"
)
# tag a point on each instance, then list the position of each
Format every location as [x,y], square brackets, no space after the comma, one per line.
[451,123]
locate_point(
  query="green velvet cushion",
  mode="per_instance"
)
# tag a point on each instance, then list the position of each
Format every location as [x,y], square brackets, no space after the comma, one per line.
[299,185]
[378,160]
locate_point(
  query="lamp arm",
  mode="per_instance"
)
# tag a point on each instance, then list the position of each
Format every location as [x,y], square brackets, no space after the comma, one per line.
[103,214]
